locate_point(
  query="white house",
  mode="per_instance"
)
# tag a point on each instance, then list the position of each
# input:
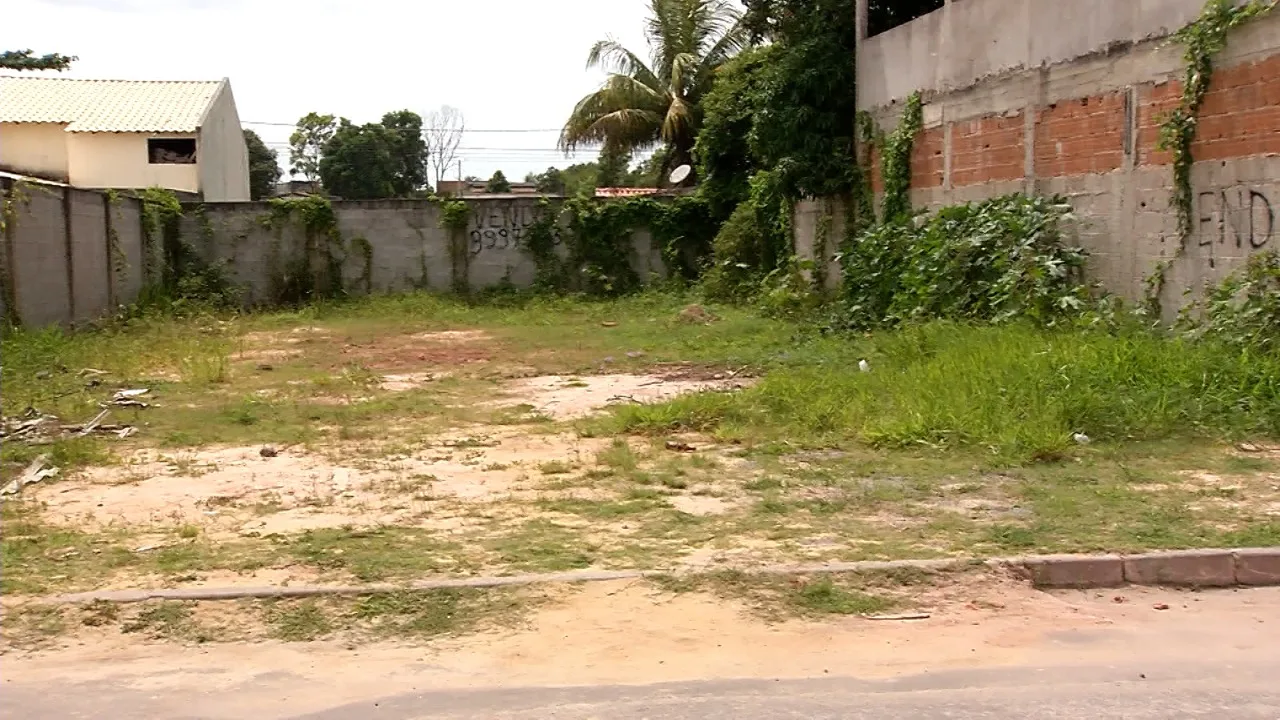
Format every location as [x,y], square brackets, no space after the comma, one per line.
[125,134]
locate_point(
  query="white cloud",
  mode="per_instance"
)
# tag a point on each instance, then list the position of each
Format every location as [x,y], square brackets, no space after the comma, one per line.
[508,64]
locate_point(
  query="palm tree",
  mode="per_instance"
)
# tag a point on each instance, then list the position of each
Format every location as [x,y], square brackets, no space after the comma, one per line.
[643,104]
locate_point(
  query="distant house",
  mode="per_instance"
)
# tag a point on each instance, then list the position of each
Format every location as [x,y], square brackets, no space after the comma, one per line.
[125,134]
[297,188]
[470,188]
[625,192]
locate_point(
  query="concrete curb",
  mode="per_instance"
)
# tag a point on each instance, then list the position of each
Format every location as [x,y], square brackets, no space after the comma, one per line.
[1249,567]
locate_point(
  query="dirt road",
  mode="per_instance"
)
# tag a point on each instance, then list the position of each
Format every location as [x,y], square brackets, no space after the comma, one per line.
[627,650]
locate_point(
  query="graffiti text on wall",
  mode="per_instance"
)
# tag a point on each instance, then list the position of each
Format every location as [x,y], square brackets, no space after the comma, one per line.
[1242,216]
[502,226]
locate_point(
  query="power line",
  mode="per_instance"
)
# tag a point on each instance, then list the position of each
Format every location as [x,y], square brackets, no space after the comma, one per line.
[465,129]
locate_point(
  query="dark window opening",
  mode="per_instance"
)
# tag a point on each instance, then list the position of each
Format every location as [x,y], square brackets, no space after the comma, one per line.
[171,151]
[885,15]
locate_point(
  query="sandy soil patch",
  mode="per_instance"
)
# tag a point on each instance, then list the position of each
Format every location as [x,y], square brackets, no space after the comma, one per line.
[394,354]
[448,337]
[404,382]
[566,398]
[701,505]
[237,490]
[411,353]
[631,633]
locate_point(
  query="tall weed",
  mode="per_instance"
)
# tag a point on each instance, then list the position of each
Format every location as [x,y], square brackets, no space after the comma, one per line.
[1242,310]
[1017,390]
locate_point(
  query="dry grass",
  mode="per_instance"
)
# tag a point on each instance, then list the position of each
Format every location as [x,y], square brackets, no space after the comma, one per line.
[404,450]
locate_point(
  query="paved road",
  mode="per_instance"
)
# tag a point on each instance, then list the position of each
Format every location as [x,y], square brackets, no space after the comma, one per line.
[1225,692]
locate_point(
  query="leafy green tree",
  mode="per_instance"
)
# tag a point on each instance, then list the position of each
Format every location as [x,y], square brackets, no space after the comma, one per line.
[550,182]
[408,151]
[652,172]
[580,178]
[885,15]
[498,184]
[306,144]
[725,158]
[612,166]
[264,167]
[765,17]
[803,126]
[643,104]
[27,60]
[356,162]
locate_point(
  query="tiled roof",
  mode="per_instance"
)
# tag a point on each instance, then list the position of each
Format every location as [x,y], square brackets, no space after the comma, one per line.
[624,192]
[107,105]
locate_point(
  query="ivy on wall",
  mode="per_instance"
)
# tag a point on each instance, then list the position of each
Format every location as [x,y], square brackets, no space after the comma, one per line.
[598,241]
[316,271]
[176,272]
[895,162]
[11,195]
[454,217]
[1202,39]
[119,260]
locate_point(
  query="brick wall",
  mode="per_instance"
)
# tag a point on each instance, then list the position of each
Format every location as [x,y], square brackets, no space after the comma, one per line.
[1088,129]
[1082,136]
[987,149]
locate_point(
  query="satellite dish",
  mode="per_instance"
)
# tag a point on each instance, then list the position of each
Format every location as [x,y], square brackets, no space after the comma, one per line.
[680,174]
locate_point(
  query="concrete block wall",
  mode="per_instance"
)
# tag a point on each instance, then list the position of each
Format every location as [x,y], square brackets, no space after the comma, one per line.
[824,218]
[70,256]
[388,245]
[1080,117]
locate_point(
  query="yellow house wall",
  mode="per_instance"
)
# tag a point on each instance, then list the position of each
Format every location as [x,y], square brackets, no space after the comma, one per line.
[38,149]
[119,160]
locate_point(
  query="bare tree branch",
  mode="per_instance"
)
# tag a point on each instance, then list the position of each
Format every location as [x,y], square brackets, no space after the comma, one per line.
[443,131]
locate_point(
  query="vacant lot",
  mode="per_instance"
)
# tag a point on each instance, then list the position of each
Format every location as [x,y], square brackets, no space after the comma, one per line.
[402,438]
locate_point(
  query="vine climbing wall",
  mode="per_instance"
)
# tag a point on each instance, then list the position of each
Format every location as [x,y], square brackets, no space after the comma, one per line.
[1079,109]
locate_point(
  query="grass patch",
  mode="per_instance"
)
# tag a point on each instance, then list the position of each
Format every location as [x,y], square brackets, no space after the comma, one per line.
[298,621]
[639,504]
[434,613]
[32,625]
[541,545]
[619,456]
[825,597]
[777,598]
[377,554]
[1018,392]
[171,620]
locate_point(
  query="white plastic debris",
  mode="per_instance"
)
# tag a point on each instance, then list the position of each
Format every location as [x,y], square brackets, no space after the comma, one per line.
[864,366]
[34,473]
[1081,439]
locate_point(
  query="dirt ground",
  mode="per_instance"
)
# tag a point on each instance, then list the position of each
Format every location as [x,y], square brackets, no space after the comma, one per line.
[632,633]
[459,452]
[229,491]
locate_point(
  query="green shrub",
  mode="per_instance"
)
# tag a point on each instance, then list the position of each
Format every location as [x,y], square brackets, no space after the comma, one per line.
[990,261]
[1244,309]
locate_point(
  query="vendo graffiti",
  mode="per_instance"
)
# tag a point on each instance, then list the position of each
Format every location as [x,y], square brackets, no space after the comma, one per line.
[1240,216]
[502,226]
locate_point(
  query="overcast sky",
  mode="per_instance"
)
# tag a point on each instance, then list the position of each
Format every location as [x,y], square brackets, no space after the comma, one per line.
[507,64]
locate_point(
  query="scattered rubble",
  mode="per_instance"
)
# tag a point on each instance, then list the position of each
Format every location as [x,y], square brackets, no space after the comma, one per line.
[696,314]
[34,473]
[903,616]
[34,427]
